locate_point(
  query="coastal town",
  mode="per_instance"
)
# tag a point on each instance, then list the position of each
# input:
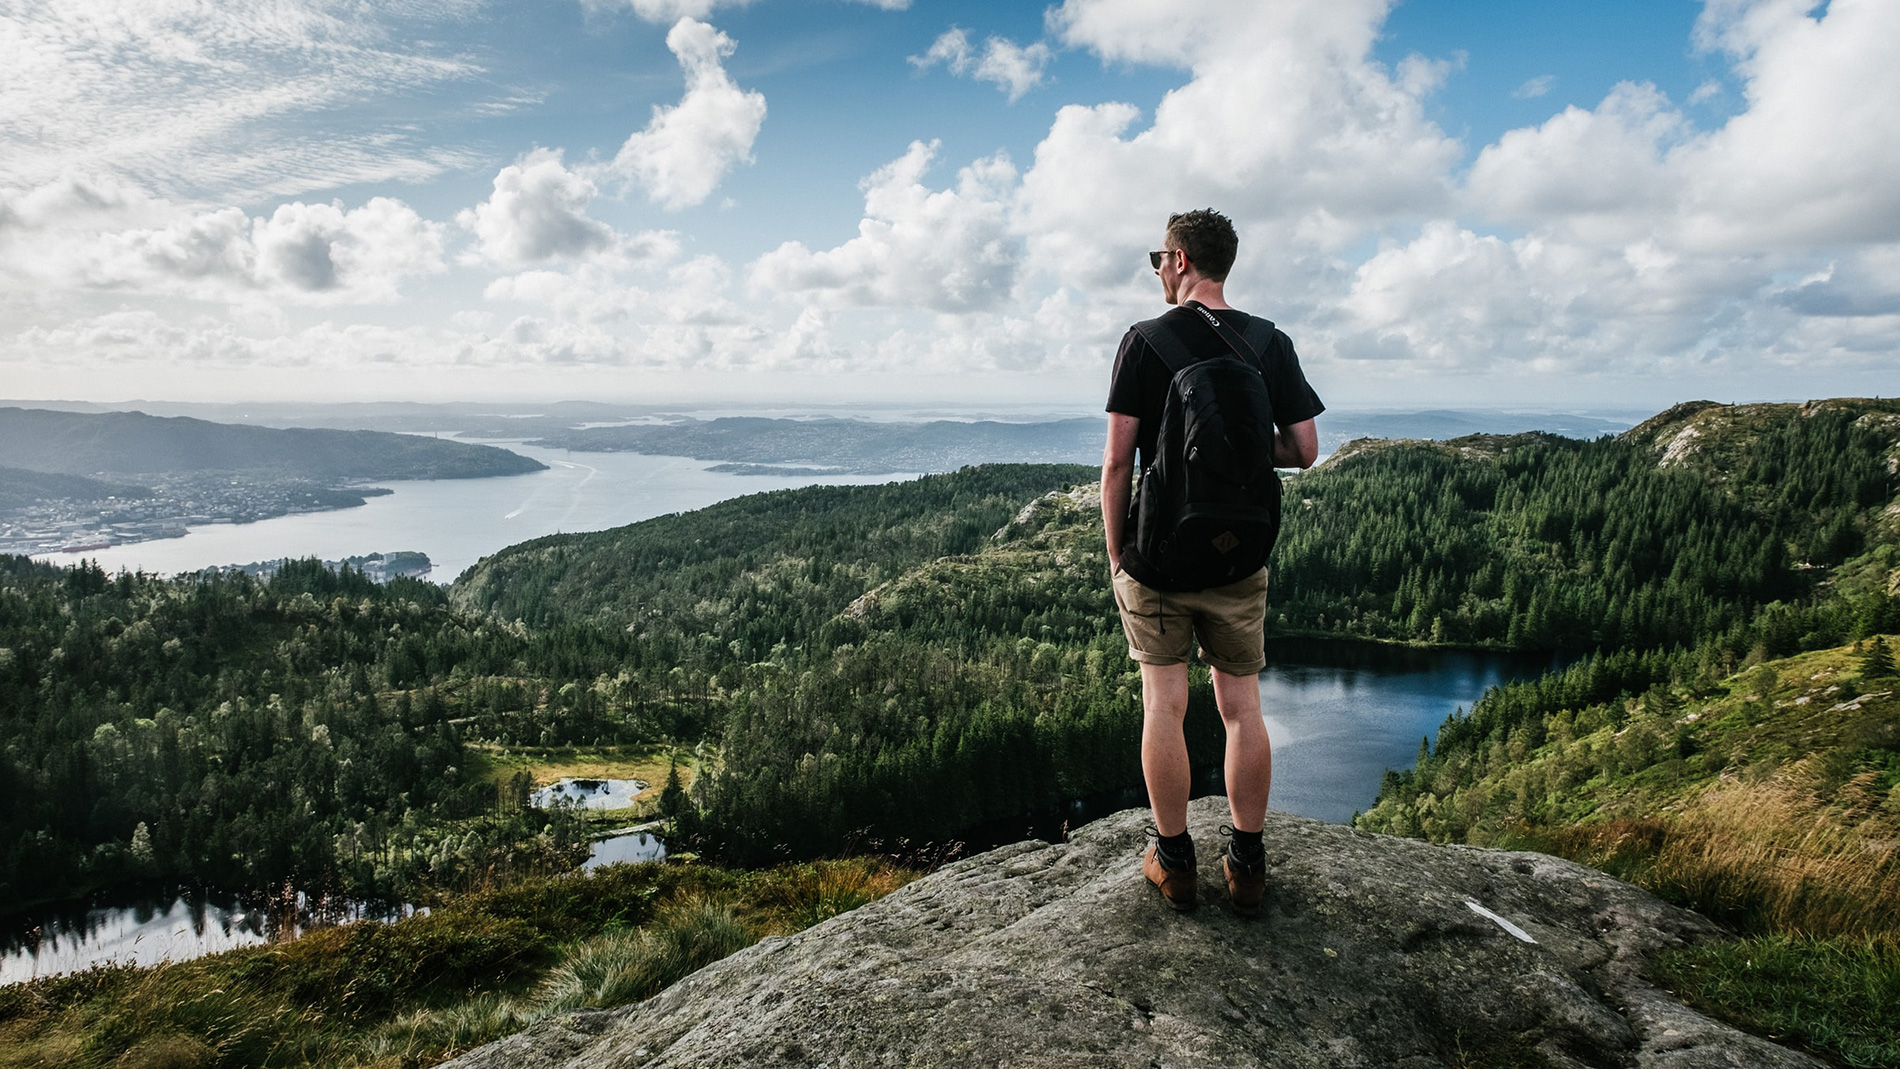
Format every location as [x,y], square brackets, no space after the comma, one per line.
[173,503]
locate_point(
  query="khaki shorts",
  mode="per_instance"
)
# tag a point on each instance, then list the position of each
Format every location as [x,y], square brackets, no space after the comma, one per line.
[1230,622]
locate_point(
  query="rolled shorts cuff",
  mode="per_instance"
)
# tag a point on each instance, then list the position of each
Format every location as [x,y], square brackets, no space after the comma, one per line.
[1228,623]
[1236,668]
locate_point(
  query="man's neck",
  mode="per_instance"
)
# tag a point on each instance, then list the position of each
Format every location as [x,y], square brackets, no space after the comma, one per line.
[1204,290]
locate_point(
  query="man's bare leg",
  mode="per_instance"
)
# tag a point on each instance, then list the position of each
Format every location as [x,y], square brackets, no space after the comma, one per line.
[1164,757]
[1249,764]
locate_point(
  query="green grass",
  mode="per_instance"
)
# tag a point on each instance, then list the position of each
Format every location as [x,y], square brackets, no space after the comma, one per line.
[1839,996]
[419,991]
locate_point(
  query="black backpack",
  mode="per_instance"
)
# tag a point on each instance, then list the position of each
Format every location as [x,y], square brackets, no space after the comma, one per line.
[1208,508]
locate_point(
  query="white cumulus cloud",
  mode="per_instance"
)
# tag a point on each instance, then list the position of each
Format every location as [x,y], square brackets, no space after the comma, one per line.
[1287,122]
[538,211]
[1013,68]
[303,253]
[362,253]
[688,147]
[1598,168]
[949,250]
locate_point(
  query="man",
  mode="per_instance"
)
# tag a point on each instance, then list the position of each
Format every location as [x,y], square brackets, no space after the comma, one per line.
[1229,621]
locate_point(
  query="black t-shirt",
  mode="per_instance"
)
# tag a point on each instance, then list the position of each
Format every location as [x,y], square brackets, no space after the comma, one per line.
[1139,387]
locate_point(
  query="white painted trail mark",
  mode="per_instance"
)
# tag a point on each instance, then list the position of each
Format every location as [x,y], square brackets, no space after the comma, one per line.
[1500,922]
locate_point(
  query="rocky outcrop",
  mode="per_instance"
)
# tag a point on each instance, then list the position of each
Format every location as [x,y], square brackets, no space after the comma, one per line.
[1370,951]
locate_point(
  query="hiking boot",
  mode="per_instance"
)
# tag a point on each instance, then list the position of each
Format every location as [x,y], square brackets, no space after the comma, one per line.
[1177,885]
[1246,884]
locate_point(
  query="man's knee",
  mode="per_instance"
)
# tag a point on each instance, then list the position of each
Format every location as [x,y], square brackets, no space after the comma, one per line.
[1237,695]
[1164,690]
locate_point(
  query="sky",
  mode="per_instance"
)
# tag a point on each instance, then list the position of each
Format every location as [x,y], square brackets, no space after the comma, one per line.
[1447,203]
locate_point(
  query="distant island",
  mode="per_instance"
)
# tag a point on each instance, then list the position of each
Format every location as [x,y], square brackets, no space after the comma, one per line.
[74,482]
[757,445]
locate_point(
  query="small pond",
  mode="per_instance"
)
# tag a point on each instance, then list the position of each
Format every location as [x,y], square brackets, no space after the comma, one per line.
[180,925]
[589,793]
[625,847]
[170,925]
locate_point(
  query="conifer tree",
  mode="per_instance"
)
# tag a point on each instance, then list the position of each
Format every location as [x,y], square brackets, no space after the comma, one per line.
[1877,660]
[673,795]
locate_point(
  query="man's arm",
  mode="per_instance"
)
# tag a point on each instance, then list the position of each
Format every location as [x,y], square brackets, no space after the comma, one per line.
[1118,474]
[1293,447]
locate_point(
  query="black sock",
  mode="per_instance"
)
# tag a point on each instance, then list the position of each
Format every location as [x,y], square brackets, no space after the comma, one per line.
[1177,851]
[1246,849]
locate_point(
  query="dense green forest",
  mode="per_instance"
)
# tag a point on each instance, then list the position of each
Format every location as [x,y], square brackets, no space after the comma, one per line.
[1540,542]
[313,726]
[226,730]
[1817,481]
[878,663]
[733,581]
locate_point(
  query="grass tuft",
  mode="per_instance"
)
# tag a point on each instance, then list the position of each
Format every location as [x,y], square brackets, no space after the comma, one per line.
[622,967]
[1841,995]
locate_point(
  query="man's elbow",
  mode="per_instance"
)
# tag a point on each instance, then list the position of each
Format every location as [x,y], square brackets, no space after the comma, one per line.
[1299,446]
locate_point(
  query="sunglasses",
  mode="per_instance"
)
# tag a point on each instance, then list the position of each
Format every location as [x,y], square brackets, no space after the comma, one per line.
[1154,258]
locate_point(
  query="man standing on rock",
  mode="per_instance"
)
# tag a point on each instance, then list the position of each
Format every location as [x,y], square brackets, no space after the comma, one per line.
[1212,400]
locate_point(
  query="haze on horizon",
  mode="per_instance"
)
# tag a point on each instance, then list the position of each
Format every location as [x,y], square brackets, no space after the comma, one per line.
[1447,203]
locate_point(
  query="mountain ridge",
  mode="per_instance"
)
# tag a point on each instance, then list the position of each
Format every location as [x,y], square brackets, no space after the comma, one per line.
[133,443]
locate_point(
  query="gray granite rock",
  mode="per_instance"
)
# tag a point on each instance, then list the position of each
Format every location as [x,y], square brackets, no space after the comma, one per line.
[1368,952]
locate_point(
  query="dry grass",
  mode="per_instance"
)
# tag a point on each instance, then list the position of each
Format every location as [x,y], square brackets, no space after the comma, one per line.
[802,895]
[1764,857]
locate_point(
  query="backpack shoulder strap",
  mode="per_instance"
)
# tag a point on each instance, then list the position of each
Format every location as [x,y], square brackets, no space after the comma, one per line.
[1248,346]
[1166,344]
[1259,335]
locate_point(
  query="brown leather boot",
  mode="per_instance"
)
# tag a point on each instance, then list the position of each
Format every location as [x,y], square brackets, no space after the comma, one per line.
[1244,889]
[1177,885]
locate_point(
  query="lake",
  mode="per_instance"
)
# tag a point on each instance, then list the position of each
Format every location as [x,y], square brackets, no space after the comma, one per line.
[1339,715]
[459,521]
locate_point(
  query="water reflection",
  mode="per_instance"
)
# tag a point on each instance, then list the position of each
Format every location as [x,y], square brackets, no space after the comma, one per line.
[174,926]
[625,848]
[590,793]
[1340,714]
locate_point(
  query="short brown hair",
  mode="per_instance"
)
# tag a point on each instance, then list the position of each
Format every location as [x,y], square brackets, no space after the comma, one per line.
[1208,238]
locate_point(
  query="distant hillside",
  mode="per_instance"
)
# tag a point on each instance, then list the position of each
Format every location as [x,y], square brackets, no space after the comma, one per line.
[1681,527]
[865,446]
[757,570]
[134,443]
[1746,446]
[848,444]
[19,487]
